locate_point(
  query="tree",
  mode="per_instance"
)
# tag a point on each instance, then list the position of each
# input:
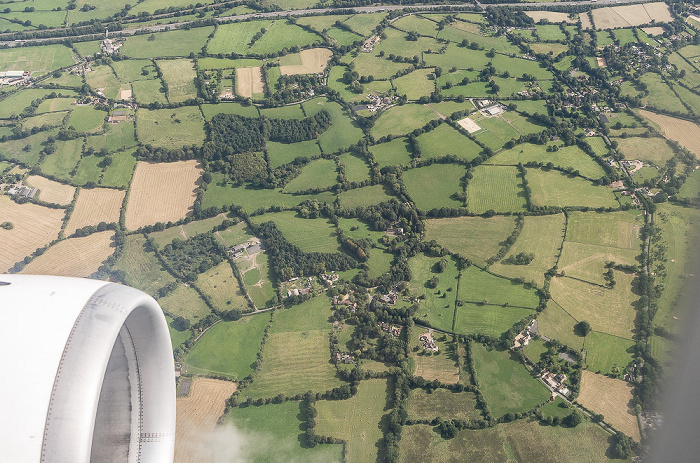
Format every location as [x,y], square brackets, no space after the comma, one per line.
[574,419]
[583,328]
[181,324]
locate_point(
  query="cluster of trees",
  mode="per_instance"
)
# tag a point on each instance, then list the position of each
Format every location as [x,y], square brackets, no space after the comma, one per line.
[288,260]
[506,17]
[295,87]
[521,258]
[194,256]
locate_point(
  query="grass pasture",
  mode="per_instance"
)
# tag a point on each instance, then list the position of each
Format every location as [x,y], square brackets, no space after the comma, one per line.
[587,261]
[523,440]
[474,237]
[166,44]
[607,354]
[443,366]
[295,362]
[119,173]
[615,229]
[184,302]
[358,420]
[652,149]
[395,152]
[480,286]
[488,320]
[116,137]
[75,257]
[284,153]
[684,132]
[495,188]
[170,128]
[141,267]
[148,91]
[228,348]
[442,403]
[86,119]
[365,196]
[438,304]
[403,119]
[566,156]
[343,131]
[26,151]
[426,194]
[179,75]
[281,35]
[310,235]
[444,140]
[557,189]
[609,311]
[506,384]
[612,398]
[281,427]
[555,323]
[321,173]
[415,84]
[540,236]
[44,58]
[221,286]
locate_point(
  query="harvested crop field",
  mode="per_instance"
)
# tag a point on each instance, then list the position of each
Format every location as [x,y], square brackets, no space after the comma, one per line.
[50,191]
[656,30]
[249,81]
[93,206]
[161,192]
[74,257]
[630,15]
[684,132]
[313,60]
[33,226]
[611,397]
[197,415]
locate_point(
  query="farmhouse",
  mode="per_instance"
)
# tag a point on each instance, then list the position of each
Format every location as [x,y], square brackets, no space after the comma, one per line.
[393,330]
[23,191]
[428,342]
[342,357]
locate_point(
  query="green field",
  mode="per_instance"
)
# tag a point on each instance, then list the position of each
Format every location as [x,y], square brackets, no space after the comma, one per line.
[284,153]
[149,91]
[358,420]
[607,354]
[426,194]
[221,286]
[442,403]
[321,173]
[586,261]
[142,268]
[660,95]
[356,169]
[234,38]
[488,320]
[541,236]
[61,163]
[396,43]
[416,23]
[480,286]
[221,193]
[311,235]
[89,170]
[260,282]
[228,348]
[505,383]
[119,173]
[179,75]
[296,357]
[557,189]
[342,133]
[438,306]
[185,302]
[610,311]
[691,187]
[116,137]
[395,152]
[401,120]
[210,110]
[523,440]
[103,80]
[282,35]
[616,229]
[415,85]
[170,128]
[370,64]
[86,119]
[129,70]
[653,149]
[36,59]
[171,43]
[55,104]
[13,104]
[280,427]
[44,120]
[565,156]
[365,196]
[474,237]
[495,188]
[25,150]
[443,141]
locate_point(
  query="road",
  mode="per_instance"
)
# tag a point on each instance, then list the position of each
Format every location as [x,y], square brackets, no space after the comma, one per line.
[359,9]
